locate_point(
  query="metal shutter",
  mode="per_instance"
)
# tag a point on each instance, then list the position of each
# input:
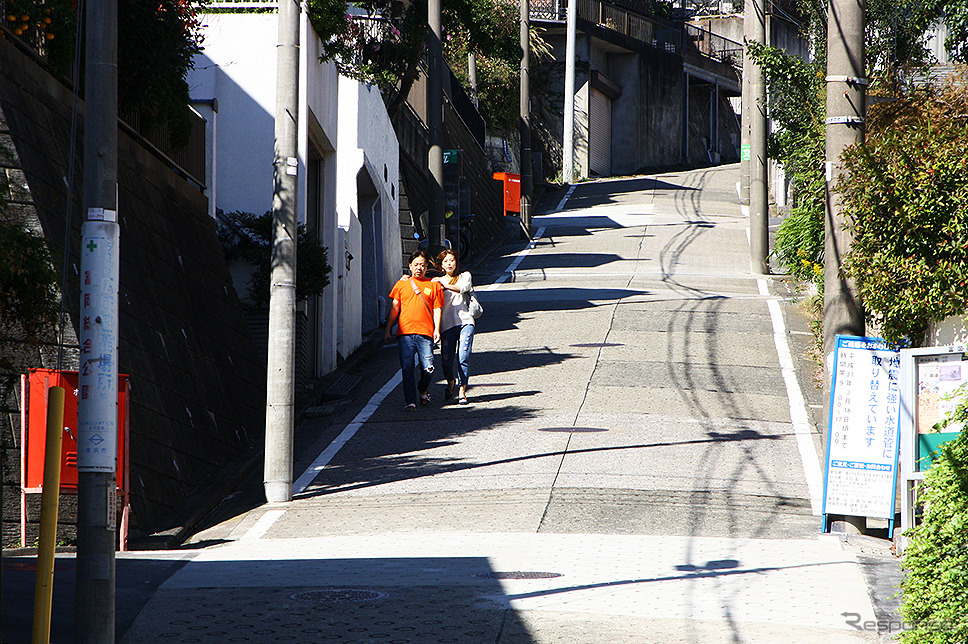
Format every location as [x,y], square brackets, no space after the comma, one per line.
[600,134]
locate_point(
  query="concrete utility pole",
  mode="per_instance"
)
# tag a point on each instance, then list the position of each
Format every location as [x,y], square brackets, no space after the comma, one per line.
[435,125]
[526,169]
[568,136]
[843,312]
[759,184]
[472,76]
[746,110]
[280,371]
[846,95]
[97,406]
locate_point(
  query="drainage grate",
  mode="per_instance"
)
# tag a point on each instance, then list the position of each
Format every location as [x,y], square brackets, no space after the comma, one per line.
[339,596]
[340,387]
[572,429]
[516,574]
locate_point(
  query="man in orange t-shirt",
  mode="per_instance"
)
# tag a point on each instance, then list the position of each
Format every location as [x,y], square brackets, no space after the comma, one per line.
[416,311]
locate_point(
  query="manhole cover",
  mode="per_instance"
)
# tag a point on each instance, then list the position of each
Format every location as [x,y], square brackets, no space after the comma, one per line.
[516,574]
[597,345]
[575,430]
[339,596]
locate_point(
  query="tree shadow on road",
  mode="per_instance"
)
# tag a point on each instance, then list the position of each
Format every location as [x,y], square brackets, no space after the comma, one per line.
[395,451]
[503,310]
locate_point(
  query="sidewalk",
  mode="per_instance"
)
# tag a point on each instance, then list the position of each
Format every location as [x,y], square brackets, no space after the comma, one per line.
[631,468]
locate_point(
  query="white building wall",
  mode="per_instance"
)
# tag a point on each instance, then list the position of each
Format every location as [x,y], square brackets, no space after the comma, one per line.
[341,121]
[368,158]
[238,68]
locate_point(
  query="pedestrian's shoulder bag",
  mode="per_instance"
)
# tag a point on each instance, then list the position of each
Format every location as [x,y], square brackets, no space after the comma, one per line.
[473,305]
[416,290]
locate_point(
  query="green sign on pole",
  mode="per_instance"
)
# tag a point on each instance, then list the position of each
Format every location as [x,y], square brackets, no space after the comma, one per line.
[450,156]
[744,153]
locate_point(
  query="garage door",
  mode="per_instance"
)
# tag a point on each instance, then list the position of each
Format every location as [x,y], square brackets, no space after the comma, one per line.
[600,134]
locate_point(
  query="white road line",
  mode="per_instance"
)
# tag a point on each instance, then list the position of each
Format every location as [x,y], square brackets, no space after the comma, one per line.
[327,454]
[517,262]
[561,204]
[262,526]
[798,407]
[373,404]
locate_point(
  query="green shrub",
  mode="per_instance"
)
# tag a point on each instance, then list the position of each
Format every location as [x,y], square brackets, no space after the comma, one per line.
[905,195]
[246,237]
[797,107]
[935,590]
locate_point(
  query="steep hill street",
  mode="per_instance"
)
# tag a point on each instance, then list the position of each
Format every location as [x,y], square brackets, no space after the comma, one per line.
[640,462]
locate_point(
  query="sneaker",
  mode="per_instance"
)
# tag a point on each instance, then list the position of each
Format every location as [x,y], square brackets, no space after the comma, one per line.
[425,398]
[462,400]
[410,407]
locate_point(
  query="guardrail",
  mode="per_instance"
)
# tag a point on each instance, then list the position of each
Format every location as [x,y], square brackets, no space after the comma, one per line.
[614,18]
[642,28]
[714,46]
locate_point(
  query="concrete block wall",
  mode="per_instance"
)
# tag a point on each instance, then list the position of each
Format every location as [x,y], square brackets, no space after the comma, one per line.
[197,388]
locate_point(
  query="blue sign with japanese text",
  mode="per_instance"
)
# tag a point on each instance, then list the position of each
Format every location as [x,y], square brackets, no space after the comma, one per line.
[862,429]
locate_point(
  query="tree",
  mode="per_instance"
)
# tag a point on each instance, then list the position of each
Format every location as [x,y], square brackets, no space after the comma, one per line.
[28,292]
[382,41]
[157,40]
[247,238]
[797,97]
[796,89]
[906,198]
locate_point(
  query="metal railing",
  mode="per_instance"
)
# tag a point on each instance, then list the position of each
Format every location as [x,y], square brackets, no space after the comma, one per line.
[31,29]
[714,46]
[642,28]
[614,18]
[189,159]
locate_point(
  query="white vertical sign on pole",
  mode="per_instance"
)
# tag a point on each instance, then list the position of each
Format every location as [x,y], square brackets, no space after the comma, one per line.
[97,431]
[862,430]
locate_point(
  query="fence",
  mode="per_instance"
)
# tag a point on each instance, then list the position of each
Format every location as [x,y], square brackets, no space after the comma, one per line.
[653,32]
[614,18]
[29,27]
[714,46]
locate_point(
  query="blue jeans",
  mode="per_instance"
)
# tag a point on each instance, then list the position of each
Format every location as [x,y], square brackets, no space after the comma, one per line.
[416,351]
[456,342]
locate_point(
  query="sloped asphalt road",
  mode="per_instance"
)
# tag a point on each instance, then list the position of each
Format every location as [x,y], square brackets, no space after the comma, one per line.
[631,468]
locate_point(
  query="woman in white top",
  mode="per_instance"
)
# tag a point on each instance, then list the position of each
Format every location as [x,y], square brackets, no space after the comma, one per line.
[456,324]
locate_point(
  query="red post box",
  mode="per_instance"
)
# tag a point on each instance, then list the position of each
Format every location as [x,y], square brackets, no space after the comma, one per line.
[512,191]
[33,424]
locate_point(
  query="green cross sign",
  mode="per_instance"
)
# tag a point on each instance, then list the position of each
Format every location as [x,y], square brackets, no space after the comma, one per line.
[91,246]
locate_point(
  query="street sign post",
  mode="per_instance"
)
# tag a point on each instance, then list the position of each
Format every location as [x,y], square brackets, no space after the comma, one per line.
[862,430]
